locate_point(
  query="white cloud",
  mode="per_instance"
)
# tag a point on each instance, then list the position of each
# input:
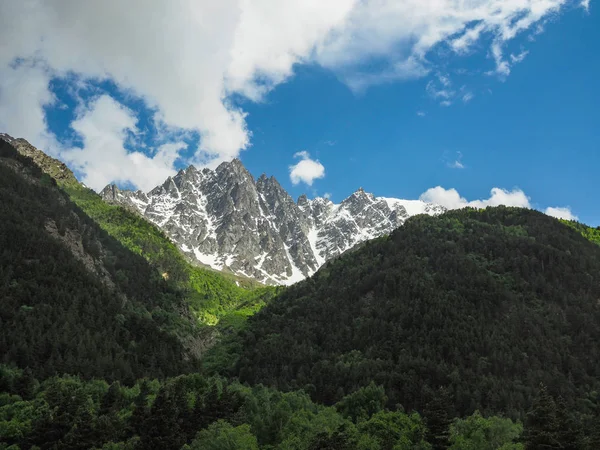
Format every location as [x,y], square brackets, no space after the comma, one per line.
[451,199]
[104,127]
[442,92]
[561,213]
[455,162]
[410,29]
[463,43]
[185,57]
[456,165]
[24,93]
[518,58]
[306,170]
[421,113]
[585,4]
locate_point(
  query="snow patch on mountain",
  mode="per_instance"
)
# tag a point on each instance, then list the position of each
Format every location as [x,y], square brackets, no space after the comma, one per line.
[227,220]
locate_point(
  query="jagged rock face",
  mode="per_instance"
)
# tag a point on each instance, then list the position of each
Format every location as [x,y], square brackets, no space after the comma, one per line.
[227,220]
[55,168]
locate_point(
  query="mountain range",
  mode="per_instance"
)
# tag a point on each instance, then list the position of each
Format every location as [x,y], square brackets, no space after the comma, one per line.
[227,220]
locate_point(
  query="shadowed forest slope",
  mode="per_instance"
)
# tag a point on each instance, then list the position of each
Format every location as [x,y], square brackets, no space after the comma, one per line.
[487,303]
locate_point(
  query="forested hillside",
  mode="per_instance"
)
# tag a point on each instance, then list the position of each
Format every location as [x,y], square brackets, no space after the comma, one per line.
[211,295]
[73,298]
[592,234]
[427,339]
[485,303]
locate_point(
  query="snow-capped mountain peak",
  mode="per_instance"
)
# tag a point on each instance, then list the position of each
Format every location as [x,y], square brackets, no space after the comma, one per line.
[225,219]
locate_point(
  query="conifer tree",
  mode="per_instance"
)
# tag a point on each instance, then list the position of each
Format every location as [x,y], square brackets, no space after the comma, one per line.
[541,424]
[438,417]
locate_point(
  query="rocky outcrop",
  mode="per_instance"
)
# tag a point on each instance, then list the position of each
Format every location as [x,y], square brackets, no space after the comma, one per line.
[53,167]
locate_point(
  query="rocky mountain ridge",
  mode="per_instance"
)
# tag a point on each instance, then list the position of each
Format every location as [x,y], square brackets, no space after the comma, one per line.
[227,220]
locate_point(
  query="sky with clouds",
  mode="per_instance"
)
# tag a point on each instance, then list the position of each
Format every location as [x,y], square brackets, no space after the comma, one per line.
[478,102]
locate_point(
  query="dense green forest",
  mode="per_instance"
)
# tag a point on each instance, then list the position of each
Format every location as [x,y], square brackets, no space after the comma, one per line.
[475,330]
[213,413]
[73,298]
[487,304]
[92,289]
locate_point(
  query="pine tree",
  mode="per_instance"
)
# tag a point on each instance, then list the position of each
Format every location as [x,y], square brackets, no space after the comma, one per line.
[162,428]
[438,417]
[111,398]
[542,425]
[25,385]
[569,433]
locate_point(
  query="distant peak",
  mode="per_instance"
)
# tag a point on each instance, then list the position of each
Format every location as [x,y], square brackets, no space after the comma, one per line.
[187,174]
[111,187]
[234,165]
[237,162]
[169,184]
[110,192]
[53,167]
[360,192]
[302,200]
[6,137]
[270,185]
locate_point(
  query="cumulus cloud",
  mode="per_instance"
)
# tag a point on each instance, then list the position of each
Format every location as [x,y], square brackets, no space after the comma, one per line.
[410,29]
[585,4]
[185,58]
[306,170]
[561,213]
[104,127]
[451,199]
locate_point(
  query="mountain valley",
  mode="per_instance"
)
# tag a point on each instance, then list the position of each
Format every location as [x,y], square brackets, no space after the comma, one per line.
[471,329]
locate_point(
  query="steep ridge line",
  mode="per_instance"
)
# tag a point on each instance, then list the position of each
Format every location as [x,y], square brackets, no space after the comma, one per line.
[227,220]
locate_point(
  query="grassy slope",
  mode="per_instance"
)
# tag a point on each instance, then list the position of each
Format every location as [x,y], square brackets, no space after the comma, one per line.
[213,296]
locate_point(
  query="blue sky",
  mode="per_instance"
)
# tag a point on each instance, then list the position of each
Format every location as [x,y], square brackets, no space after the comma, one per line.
[444,115]
[539,130]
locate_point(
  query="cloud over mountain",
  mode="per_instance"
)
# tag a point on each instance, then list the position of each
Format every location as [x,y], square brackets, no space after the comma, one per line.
[306,170]
[184,59]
